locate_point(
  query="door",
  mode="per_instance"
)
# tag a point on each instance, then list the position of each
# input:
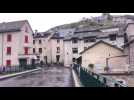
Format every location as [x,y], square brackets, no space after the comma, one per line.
[57,58]
[22,62]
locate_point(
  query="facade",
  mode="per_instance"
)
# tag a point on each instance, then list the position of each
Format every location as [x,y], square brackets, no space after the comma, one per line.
[129,45]
[16,43]
[98,53]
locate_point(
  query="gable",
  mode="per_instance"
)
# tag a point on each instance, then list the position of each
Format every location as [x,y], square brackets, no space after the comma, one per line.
[101,47]
[27,27]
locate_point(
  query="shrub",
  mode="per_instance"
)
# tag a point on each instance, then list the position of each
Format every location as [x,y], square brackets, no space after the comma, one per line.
[91,66]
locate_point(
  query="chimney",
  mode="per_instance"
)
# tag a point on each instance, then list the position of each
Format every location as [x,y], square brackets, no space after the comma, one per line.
[36,31]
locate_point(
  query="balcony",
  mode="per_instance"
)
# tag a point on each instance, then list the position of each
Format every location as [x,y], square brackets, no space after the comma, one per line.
[31,56]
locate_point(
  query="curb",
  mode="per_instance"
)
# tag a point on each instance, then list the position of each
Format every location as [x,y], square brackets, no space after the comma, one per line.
[76,79]
[17,74]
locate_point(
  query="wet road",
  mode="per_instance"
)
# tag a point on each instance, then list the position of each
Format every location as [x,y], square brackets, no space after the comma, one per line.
[47,77]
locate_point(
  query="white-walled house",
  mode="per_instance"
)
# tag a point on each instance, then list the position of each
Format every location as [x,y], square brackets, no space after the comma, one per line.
[57,48]
[49,46]
[82,39]
[41,46]
[16,43]
[101,55]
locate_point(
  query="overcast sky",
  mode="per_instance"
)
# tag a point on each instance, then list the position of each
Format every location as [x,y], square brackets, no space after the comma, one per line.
[45,21]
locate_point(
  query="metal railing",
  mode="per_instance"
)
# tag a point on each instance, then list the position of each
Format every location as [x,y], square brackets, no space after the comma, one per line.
[91,79]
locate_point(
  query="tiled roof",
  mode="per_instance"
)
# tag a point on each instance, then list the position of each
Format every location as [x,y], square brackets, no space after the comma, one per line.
[11,26]
[56,36]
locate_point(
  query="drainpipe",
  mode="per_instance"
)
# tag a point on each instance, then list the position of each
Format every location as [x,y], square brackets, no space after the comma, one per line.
[129,52]
[2,48]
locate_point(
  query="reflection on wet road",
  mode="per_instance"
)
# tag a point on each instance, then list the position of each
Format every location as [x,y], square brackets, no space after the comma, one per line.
[47,77]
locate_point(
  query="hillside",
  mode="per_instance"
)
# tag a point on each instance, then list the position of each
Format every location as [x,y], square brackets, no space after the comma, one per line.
[82,24]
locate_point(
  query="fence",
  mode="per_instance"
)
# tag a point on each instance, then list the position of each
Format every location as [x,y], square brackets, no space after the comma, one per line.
[91,79]
[13,69]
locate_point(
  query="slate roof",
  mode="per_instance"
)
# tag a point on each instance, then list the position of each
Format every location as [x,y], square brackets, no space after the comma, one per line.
[92,34]
[41,35]
[56,36]
[101,41]
[98,28]
[12,26]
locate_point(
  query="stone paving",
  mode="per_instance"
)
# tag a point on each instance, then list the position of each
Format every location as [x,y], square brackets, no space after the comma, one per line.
[47,77]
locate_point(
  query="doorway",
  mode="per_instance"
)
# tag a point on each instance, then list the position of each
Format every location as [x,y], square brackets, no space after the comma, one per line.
[57,58]
[22,62]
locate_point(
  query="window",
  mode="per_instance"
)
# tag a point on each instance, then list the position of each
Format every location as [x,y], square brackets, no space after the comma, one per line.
[85,48]
[89,40]
[33,50]
[8,62]
[74,41]
[58,49]
[112,37]
[26,39]
[8,50]
[9,38]
[40,50]
[73,59]
[39,41]
[33,41]
[85,40]
[92,40]
[75,50]
[25,50]
[58,41]
[38,57]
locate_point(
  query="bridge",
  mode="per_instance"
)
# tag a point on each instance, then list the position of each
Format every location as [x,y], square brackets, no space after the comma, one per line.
[59,76]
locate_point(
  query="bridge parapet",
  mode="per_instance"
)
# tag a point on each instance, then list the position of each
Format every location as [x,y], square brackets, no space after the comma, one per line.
[92,79]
